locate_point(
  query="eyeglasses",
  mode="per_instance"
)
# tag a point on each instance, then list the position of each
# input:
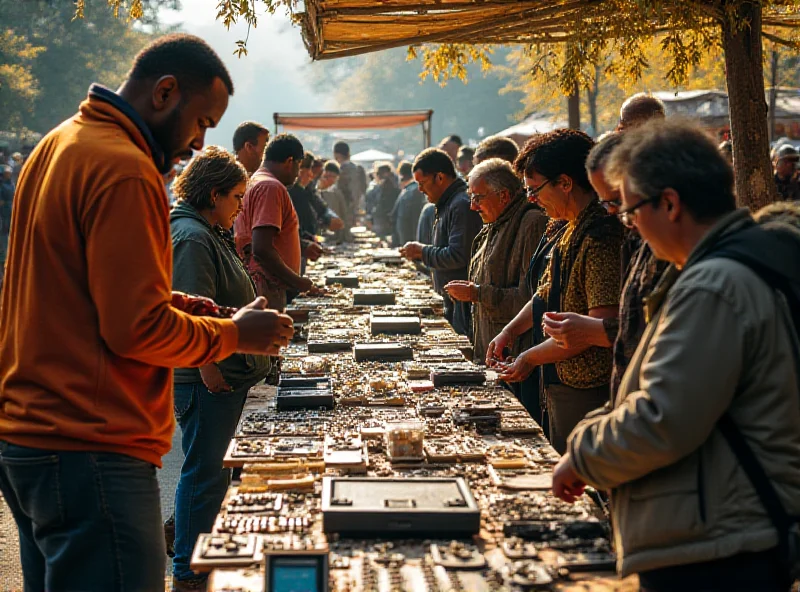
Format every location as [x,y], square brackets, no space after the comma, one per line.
[476,198]
[628,217]
[533,192]
[610,204]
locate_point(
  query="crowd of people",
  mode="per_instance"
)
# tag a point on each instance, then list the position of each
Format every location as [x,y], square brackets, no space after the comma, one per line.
[647,323]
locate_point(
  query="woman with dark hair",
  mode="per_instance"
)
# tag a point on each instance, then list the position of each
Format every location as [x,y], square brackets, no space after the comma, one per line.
[582,276]
[209,400]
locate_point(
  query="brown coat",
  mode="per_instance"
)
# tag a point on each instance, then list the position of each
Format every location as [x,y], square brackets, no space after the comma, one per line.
[500,257]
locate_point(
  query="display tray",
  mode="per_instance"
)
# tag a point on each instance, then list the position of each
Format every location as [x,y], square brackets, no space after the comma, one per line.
[372,297]
[449,377]
[405,325]
[399,507]
[226,550]
[329,346]
[303,398]
[304,382]
[382,352]
[255,449]
[346,281]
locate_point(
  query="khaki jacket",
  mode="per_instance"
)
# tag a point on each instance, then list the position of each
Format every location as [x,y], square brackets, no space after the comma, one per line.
[499,262]
[720,342]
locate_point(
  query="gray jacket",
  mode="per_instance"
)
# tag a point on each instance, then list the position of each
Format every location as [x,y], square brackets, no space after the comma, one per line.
[405,214]
[205,265]
[719,342]
[454,229]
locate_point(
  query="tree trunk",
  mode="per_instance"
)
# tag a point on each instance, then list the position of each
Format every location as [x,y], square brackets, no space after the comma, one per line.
[574,108]
[592,100]
[755,186]
[773,94]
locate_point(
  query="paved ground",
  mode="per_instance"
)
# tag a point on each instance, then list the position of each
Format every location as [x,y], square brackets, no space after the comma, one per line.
[10,572]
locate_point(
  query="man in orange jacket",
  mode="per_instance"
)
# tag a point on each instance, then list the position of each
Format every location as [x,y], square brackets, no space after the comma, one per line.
[89,330]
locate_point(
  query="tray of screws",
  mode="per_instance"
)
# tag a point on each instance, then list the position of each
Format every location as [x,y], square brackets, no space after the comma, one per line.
[217,550]
[269,424]
[457,555]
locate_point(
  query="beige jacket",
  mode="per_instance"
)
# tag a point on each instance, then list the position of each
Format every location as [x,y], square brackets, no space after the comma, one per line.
[720,342]
[500,257]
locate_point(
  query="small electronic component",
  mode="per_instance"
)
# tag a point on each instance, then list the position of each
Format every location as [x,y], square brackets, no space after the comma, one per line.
[225,550]
[458,555]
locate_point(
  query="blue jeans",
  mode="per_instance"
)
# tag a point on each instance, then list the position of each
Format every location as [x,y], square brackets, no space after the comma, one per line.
[208,422]
[88,521]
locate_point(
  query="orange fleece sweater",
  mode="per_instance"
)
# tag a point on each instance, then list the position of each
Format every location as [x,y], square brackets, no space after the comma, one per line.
[88,337]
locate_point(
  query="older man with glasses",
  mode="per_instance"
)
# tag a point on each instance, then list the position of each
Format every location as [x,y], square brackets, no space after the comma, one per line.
[500,254]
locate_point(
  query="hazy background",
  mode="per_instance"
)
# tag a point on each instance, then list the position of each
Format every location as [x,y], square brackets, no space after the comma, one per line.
[278,75]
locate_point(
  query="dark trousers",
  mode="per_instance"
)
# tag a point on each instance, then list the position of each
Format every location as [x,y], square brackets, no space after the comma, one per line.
[459,315]
[88,521]
[746,572]
[567,406]
[527,392]
[208,422]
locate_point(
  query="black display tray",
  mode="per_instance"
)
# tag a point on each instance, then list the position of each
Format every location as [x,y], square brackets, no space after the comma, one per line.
[370,297]
[436,507]
[347,281]
[448,377]
[328,347]
[304,382]
[396,325]
[303,398]
[382,352]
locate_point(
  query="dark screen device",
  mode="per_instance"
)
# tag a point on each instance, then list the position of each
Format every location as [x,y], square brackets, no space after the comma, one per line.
[297,573]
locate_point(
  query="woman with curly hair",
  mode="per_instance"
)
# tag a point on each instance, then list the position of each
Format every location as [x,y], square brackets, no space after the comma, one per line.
[209,400]
[582,276]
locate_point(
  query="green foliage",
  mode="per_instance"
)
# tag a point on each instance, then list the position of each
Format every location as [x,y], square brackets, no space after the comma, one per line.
[50,58]
[18,86]
[616,35]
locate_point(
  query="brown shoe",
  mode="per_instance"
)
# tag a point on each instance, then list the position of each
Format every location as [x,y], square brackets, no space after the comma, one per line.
[191,585]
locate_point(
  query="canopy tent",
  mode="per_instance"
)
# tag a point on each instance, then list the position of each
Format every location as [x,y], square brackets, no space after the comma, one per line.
[371,156]
[357,120]
[710,107]
[535,123]
[339,28]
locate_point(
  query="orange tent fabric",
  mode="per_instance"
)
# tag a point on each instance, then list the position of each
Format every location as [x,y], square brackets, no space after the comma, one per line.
[354,120]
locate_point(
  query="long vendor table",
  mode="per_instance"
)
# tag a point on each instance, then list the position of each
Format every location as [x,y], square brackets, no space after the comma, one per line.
[385,460]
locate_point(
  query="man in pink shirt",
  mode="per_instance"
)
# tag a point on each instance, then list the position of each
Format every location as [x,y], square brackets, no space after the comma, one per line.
[267,231]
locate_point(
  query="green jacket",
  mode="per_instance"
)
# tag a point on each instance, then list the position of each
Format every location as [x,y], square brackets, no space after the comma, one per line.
[205,265]
[719,341]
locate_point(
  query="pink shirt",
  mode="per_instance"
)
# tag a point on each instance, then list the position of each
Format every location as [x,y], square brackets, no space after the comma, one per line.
[267,203]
